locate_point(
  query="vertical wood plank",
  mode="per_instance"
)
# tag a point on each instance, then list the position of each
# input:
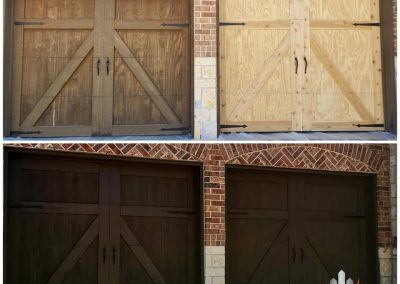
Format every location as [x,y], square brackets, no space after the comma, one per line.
[115,226]
[104,226]
[99,72]
[19,13]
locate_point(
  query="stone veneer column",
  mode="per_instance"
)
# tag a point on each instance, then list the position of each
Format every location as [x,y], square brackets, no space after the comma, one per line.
[205,81]
[388,255]
[214,265]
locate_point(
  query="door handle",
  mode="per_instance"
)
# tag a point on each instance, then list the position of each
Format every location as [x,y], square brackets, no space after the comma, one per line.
[104,255]
[306,65]
[302,255]
[108,66]
[294,254]
[98,66]
[296,63]
[114,252]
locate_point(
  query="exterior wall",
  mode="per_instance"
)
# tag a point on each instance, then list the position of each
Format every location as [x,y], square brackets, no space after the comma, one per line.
[395,24]
[393,189]
[325,157]
[205,85]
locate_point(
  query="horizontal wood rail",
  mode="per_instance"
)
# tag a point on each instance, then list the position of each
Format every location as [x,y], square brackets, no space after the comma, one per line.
[55,208]
[150,25]
[61,24]
[279,24]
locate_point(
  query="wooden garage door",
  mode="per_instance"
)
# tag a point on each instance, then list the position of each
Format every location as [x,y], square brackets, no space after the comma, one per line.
[96,67]
[298,228]
[300,65]
[87,222]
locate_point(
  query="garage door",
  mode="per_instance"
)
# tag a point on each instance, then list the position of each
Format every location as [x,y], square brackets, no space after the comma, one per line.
[82,221]
[95,67]
[300,65]
[298,228]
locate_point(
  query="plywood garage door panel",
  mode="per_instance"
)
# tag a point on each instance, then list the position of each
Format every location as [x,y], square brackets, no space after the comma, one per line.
[101,68]
[154,35]
[345,74]
[256,48]
[288,227]
[331,78]
[101,222]
[52,81]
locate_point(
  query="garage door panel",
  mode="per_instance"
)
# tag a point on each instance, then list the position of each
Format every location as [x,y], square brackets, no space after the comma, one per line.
[130,266]
[250,243]
[166,243]
[337,10]
[324,239]
[255,9]
[59,9]
[153,192]
[258,84]
[74,99]
[256,195]
[40,255]
[152,10]
[55,186]
[345,78]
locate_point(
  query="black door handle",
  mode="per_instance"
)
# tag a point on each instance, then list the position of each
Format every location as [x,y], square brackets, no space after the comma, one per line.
[108,66]
[294,254]
[114,252]
[296,63]
[306,65]
[98,66]
[104,255]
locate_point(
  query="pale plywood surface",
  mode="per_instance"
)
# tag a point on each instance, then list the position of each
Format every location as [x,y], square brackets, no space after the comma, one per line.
[338,84]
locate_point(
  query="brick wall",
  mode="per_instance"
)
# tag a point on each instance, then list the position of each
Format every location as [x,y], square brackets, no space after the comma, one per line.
[205,13]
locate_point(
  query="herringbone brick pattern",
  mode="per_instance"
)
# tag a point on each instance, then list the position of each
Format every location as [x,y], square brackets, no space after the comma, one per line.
[325,157]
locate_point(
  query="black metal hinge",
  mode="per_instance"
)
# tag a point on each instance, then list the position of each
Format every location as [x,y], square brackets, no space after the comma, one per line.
[21,23]
[174,25]
[232,24]
[17,133]
[20,206]
[367,24]
[233,126]
[181,212]
[354,217]
[369,125]
[175,129]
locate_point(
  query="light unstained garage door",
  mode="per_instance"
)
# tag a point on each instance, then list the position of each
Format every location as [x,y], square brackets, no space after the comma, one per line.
[85,221]
[300,65]
[95,67]
[285,227]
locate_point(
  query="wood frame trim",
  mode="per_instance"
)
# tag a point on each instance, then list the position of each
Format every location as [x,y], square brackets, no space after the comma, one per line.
[372,261]
[388,68]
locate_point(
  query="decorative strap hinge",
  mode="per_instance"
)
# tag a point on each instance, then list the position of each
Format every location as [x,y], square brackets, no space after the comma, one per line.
[370,125]
[367,24]
[231,24]
[354,217]
[22,23]
[175,25]
[233,126]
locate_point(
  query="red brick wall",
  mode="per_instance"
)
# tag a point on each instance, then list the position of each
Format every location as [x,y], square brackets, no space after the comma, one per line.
[329,157]
[205,33]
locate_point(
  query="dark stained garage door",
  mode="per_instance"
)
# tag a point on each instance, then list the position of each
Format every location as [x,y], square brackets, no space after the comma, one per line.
[295,227]
[79,220]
